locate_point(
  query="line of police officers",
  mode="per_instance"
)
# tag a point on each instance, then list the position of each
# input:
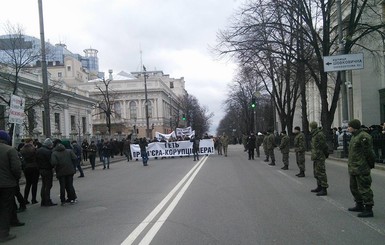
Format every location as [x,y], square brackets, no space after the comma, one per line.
[360,162]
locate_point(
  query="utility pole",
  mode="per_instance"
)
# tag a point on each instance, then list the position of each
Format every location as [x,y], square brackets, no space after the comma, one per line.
[345,113]
[47,121]
[146,103]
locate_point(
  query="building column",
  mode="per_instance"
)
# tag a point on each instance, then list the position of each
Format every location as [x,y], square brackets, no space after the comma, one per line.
[67,123]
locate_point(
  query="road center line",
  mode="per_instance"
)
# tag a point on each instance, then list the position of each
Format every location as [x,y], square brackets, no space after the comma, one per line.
[139,229]
[159,223]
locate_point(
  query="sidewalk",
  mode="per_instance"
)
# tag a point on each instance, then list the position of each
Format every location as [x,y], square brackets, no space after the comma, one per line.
[87,165]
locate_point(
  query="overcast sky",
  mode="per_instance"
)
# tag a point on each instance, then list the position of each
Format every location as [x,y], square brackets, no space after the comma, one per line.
[174,36]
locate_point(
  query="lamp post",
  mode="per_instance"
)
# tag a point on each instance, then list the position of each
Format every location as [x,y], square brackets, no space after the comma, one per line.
[170,111]
[146,103]
[47,121]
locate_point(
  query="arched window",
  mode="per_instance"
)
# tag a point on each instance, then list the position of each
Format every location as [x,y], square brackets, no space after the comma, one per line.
[133,110]
[118,109]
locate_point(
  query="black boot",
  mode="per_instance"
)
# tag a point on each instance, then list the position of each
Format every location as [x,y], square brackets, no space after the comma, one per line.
[368,212]
[322,192]
[272,163]
[285,167]
[301,174]
[316,189]
[358,208]
[266,160]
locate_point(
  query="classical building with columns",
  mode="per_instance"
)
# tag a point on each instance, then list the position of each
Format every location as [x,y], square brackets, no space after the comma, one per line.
[127,97]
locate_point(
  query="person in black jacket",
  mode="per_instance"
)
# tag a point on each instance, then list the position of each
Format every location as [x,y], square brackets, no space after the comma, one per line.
[251,144]
[10,173]
[43,157]
[143,150]
[64,161]
[78,152]
[31,170]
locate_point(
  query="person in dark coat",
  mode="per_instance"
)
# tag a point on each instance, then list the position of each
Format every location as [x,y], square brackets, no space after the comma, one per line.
[92,149]
[43,157]
[100,147]
[78,152]
[251,143]
[31,170]
[106,153]
[127,149]
[84,149]
[10,173]
[143,150]
[195,147]
[63,159]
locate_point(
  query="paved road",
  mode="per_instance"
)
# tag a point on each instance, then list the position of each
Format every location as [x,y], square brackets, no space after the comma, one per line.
[217,200]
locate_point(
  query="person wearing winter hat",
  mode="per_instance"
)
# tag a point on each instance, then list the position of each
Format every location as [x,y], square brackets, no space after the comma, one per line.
[43,157]
[10,173]
[361,160]
[318,146]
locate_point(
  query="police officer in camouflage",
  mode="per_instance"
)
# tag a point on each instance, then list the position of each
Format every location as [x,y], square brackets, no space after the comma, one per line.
[361,155]
[285,149]
[318,144]
[270,144]
[299,146]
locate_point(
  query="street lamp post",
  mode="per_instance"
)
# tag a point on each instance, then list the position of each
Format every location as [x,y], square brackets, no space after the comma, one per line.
[146,103]
[47,121]
[170,112]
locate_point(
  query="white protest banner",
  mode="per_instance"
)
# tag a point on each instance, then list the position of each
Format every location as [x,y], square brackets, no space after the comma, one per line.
[172,149]
[164,136]
[183,131]
[16,110]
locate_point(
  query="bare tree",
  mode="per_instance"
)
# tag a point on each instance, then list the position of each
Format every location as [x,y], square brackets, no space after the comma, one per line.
[106,103]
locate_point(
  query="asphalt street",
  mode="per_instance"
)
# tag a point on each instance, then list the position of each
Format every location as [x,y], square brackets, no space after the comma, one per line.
[218,200]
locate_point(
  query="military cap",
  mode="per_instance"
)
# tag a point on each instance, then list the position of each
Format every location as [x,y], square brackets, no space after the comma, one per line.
[355,123]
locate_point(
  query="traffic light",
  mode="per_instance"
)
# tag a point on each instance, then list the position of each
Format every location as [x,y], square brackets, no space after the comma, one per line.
[253,105]
[184,117]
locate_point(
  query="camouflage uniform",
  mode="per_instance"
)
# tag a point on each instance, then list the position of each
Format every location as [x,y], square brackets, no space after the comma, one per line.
[285,149]
[264,143]
[360,149]
[299,145]
[270,145]
[318,142]
[225,143]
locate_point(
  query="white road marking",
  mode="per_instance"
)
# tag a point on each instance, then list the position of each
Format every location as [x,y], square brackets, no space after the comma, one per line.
[291,178]
[187,179]
[362,220]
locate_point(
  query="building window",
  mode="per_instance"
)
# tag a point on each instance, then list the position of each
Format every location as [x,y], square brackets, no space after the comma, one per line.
[118,109]
[57,122]
[133,111]
[84,124]
[149,109]
[171,84]
[68,68]
[73,123]
[59,74]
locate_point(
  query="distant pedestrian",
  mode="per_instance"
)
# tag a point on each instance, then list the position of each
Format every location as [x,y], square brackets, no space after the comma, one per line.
[251,144]
[285,149]
[92,149]
[127,149]
[85,149]
[143,150]
[270,145]
[43,157]
[218,145]
[361,160]
[64,161]
[78,152]
[10,173]
[264,144]
[31,170]
[100,147]
[259,143]
[225,143]
[106,154]
[300,148]
[318,146]
[195,147]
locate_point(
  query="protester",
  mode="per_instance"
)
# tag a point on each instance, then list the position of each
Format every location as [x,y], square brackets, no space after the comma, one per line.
[64,160]
[106,154]
[127,149]
[31,170]
[143,150]
[100,147]
[92,149]
[225,143]
[78,152]
[195,147]
[43,157]
[84,149]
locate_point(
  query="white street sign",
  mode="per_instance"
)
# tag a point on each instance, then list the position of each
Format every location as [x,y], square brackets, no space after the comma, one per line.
[343,62]
[16,110]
